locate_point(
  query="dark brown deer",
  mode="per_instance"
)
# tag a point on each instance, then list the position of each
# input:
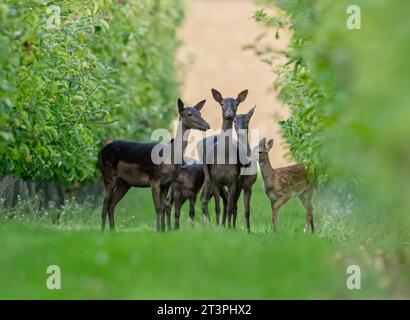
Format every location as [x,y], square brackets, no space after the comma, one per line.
[285,183]
[188,182]
[219,176]
[126,164]
[245,181]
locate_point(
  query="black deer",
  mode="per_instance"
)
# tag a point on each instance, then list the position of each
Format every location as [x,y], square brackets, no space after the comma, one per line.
[126,164]
[245,181]
[220,173]
[188,182]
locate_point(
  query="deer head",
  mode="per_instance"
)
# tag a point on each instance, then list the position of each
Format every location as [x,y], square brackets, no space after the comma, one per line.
[242,120]
[191,116]
[229,105]
[264,148]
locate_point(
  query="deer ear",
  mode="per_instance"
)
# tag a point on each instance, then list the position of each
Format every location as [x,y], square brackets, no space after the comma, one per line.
[217,95]
[199,105]
[269,145]
[180,105]
[250,113]
[242,96]
[262,142]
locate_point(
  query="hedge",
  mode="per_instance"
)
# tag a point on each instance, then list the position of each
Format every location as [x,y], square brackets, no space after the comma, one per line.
[349,99]
[104,70]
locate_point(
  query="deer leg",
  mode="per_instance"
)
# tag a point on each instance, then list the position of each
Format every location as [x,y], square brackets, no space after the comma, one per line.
[306,199]
[163,198]
[235,206]
[231,205]
[225,209]
[168,206]
[275,212]
[217,195]
[156,197]
[205,196]
[121,188]
[192,202]
[237,195]
[109,186]
[178,205]
[207,175]
[206,193]
[247,193]
[224,197]
[276,205]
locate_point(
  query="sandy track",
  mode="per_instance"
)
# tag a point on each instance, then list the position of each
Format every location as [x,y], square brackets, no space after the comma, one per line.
[213,35]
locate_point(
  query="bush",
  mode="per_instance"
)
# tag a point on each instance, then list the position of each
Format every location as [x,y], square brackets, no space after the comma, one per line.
[348,94]
[104,71]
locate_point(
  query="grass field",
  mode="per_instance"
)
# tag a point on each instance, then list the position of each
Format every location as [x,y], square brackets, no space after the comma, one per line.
[197,262]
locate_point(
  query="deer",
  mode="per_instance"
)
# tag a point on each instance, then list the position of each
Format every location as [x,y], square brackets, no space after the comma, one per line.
[126,164]
[284,183]
[188,182]
[221,175]
[245,181]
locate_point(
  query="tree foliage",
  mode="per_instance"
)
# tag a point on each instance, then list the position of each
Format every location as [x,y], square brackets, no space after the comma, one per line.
[348,93]
[74,74]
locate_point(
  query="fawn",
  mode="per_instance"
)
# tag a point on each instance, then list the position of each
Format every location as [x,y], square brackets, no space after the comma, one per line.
[188,182]
[220,175]
[285,183]
[245,182]
[126,164]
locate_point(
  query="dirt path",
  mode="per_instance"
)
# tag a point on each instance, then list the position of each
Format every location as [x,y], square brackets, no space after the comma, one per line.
[213,35]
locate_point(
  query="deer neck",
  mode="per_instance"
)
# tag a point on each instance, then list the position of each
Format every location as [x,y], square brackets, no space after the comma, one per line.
[227,125]
[180,143]
[243,137]
[266,168]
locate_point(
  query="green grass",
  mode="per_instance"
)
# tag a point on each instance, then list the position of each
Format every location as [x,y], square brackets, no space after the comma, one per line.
[197,262]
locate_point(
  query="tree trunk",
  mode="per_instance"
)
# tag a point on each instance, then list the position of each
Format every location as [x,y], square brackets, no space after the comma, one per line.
[7,191]
[12,190]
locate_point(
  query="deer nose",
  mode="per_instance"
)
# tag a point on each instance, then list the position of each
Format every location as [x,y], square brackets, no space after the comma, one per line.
[207,126]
